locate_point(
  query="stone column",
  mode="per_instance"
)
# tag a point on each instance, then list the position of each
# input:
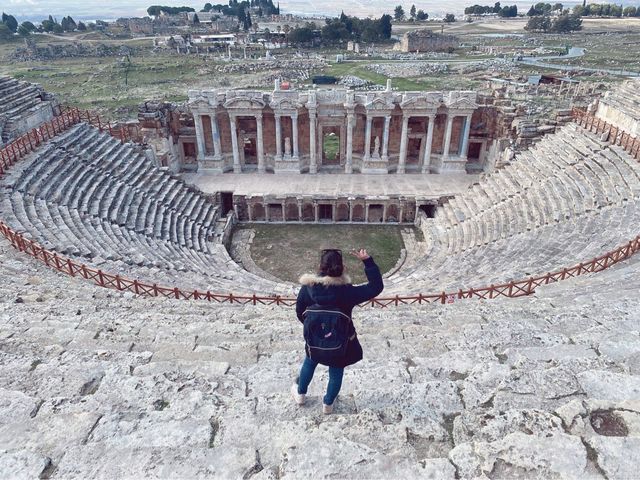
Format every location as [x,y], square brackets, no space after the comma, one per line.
[367,139]
[404,140]
[313,162]
[348,167]
[299,210]
[250,211]
[350,210]
[260,144]
[265,207]
[366,212]
[197,120]
[284,212]
[385,138]
[237,168]
[215,133]
[316,213]
[334,212]
[465,137]
[384,213]
[447,136]
[278,138]
[401,215]
[427,152]
[294,124]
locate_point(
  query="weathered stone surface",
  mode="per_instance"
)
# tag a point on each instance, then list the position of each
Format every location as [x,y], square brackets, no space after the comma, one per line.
[518,454]
[23,464]
[488,425]
[613,455]
[610,385]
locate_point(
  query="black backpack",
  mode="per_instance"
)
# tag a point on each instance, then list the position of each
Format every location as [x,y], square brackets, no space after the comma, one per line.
[326,334]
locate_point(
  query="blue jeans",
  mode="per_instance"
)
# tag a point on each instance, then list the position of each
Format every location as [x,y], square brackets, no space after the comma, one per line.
[335,380]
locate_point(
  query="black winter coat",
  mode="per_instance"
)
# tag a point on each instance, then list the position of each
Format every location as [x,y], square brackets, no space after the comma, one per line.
[339,292]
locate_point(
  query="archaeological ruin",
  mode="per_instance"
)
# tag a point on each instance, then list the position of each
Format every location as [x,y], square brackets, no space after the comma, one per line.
[378,132]
[133,345]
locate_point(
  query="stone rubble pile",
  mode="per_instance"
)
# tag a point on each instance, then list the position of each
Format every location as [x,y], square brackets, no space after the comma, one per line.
[404,70]
[293,65]
[56,51]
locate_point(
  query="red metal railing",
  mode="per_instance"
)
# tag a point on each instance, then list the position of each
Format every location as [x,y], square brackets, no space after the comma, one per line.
[512,289]
[615,135]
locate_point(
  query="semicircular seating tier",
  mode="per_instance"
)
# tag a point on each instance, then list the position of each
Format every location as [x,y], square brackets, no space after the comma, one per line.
[86,195]
[568,199]
[23,106]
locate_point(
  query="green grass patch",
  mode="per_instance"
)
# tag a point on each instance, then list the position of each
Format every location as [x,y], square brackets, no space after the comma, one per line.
[288,251]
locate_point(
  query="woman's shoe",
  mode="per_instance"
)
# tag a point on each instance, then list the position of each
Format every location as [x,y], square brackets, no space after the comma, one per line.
[327,409]
[299,398]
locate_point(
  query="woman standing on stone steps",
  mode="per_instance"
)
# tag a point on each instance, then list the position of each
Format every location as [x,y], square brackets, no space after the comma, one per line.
[330,293]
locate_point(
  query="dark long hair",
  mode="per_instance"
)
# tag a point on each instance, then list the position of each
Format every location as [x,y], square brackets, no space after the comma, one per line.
[331,263]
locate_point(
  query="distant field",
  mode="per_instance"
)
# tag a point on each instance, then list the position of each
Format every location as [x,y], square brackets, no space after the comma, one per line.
[288,251]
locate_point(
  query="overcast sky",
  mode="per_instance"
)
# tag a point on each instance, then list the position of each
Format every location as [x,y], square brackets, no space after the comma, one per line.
[36,10]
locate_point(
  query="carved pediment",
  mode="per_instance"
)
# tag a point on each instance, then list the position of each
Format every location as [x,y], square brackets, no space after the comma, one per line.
[245,100]
[284,104]
[379,104]
[462,100]
[426,101]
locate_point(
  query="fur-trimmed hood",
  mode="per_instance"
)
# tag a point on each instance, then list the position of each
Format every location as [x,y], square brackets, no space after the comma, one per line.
[309,279]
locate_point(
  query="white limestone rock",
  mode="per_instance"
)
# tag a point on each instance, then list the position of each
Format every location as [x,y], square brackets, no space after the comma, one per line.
[488,425]
[23,464]
[553,455]
[482,383]
[16,406]
[613,386]
[615,455]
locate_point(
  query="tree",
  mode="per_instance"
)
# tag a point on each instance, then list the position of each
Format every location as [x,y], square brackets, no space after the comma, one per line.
[449,18]
[385,26]
[412,12]
[421,15]
[508,12]
[10,21]
[538,23]
[334,31]
[300,35]
[566,24]
[398,13]
[57,29]
[82,27]
[497,7]
[196,20]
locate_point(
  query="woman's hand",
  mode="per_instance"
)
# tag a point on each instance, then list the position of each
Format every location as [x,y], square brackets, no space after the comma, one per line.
[360,254]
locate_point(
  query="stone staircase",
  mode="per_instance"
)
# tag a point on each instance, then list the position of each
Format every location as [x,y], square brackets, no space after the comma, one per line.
[99,384]
[568,199]
[625,99]
[22,107]
[90,197]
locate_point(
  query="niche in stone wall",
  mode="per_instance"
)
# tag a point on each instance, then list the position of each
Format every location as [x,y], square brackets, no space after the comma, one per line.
[308,215]
[275,212]
[331,146]
[376,213]
[257,211]
[342,213]
[292,212]
[358,213]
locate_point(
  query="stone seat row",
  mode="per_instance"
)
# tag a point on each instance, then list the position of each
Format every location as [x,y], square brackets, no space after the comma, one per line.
[59,177]
[71,233]
[25,101]
[531,192]
[625,98]
[528,253]
[108,376]
[75,208]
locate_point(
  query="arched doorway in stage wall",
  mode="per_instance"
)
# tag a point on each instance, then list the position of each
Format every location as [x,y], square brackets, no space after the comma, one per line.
[342,212]
[292,212]
[392,213]
[257,212]
[308,215]
[358,213]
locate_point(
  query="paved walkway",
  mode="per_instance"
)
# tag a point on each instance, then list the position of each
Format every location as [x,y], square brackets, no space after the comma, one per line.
[424,186]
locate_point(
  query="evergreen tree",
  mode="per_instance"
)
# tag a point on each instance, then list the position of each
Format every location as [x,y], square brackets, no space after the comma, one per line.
[421,15]
[385,26]
[398,13]
[10,21]
[196,19]
[412,12]
[449,18]
[82,27]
